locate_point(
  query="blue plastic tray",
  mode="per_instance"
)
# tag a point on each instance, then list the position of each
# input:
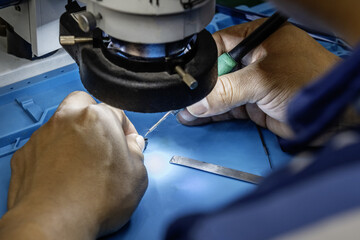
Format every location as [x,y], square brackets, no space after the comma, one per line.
[173,190]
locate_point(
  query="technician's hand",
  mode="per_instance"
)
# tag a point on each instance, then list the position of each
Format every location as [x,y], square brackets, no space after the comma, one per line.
[81,175]
[274,72]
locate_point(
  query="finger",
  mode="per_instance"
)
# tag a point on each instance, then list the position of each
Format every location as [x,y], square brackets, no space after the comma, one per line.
[228,38]
[76,100]
[119,114]
[256,115]
[184,117]
[279,128]
[232,90]
[136,145]
[240,112]
[260,118]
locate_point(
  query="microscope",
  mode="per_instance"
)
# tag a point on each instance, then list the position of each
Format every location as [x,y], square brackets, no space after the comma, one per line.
[145,55]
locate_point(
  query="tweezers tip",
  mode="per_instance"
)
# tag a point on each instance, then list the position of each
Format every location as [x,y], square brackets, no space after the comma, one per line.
[146,142]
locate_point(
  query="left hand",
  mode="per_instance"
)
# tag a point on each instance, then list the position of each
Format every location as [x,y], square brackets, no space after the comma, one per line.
[80,176]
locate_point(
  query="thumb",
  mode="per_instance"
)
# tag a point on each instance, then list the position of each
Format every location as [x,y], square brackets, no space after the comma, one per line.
[136,144]
[231,90]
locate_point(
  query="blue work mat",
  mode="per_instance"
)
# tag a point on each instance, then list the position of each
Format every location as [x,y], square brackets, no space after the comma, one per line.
[173,190]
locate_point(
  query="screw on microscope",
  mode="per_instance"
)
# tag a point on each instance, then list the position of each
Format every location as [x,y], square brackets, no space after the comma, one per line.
[71,40]
[187,78]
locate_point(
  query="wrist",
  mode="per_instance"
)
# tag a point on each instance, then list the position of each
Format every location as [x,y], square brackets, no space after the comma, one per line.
[36,219]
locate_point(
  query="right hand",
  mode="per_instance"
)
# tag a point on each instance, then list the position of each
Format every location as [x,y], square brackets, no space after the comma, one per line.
[285,62]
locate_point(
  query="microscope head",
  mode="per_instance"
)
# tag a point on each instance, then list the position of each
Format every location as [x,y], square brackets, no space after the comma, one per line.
[143,56]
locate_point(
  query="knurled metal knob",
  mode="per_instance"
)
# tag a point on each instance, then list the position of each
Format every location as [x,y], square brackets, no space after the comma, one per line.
[71,40]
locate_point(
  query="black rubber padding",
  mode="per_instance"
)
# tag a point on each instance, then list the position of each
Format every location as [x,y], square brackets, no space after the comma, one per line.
[140,91]
[149,91]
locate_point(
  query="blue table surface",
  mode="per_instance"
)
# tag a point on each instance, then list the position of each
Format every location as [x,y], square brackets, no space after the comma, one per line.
[173,190]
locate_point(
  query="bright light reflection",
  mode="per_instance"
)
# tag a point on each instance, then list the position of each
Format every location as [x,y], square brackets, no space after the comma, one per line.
[196,185]
[157,158]
[157,164]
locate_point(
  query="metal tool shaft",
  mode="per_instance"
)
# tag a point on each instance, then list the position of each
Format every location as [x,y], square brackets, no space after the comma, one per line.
[216,169]
[158,123]
[187,78]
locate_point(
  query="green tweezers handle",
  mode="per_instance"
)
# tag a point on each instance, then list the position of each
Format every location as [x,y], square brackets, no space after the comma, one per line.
[225,64]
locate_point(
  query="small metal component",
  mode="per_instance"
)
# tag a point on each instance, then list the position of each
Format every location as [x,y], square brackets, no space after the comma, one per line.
[175,112]
[187,78]
[87,21]
[216,169]
[71,40]
[146,140]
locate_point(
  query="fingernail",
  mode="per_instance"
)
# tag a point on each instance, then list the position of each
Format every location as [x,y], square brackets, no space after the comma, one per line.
[141,142]
[184,115]
[199,108]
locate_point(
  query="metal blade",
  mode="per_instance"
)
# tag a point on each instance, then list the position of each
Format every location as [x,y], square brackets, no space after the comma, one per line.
[216,169]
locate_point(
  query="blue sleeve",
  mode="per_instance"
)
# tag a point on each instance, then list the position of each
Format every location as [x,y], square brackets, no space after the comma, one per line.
[320,104]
